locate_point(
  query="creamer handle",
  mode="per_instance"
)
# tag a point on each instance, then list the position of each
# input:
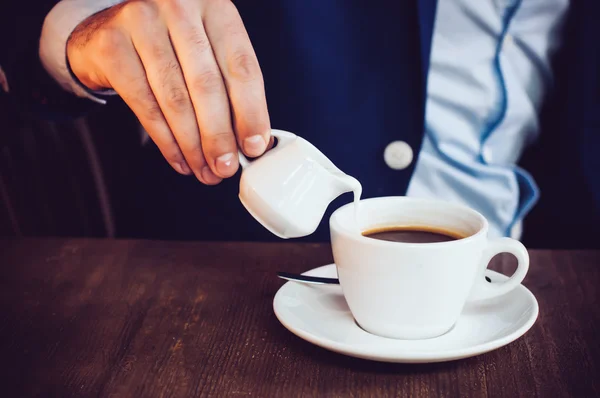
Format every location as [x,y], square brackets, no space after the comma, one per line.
[283,138]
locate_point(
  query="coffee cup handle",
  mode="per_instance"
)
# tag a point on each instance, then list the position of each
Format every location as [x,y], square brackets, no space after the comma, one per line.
[283,137]
[485,290]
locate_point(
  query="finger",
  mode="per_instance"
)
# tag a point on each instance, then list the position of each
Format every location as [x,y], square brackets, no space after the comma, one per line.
[243,77]
[124,72]
[204,82]
[151,40]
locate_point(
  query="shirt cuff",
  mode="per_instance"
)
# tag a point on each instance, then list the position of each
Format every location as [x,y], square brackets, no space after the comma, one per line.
[58,26]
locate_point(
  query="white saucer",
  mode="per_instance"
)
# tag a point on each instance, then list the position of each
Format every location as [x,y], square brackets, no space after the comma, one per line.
[320,315]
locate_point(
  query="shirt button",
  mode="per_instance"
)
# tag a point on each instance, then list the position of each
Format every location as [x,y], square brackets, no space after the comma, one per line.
[398,155]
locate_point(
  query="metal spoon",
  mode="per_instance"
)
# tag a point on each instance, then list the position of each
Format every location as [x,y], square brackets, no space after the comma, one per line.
[317,280]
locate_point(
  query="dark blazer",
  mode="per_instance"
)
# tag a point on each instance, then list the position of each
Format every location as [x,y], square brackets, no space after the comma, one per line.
[333,76]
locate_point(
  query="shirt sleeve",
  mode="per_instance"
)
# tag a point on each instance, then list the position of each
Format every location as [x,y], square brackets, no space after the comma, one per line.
[58,26]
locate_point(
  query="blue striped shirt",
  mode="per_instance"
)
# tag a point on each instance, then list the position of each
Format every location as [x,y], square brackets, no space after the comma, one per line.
[490,68]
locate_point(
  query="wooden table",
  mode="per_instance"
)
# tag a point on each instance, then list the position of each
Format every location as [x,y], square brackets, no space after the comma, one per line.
[137,318]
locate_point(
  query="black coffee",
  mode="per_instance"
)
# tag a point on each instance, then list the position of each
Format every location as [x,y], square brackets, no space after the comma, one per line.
[412,234]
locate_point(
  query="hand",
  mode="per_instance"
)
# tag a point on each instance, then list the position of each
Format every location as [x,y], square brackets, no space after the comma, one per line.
[188,71]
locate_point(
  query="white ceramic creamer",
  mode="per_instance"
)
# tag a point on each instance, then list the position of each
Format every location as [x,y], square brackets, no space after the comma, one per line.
[288,189]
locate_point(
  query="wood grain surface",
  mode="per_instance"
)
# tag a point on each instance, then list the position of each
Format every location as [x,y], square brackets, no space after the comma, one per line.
[105,318]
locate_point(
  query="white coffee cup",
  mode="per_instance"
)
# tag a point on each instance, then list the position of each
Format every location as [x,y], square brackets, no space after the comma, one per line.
[416,290]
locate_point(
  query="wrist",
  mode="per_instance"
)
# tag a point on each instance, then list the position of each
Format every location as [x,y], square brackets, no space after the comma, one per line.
[78,73]
[57,28]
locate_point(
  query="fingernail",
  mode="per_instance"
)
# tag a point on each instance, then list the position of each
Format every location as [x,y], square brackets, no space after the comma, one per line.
[255,145]
[184,168]
[225,164]
[209,177]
